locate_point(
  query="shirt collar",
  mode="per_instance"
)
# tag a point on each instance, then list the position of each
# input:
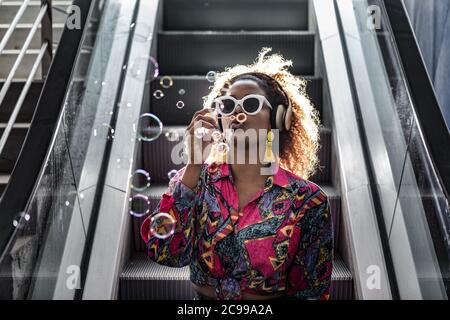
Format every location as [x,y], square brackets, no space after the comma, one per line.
[281,177]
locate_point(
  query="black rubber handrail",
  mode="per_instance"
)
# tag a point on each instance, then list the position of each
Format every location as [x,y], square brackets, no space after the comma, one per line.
[425,103]
[43,125]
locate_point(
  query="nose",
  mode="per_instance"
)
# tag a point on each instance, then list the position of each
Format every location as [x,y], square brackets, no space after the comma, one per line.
[238,109]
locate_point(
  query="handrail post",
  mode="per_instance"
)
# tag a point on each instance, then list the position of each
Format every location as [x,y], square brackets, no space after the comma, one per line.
[47,36]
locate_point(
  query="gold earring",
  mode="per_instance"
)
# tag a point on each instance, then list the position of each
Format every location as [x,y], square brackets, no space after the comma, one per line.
[268,154]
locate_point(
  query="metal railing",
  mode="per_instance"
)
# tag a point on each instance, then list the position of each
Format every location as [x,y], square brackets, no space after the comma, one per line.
[44,19]
[35,171]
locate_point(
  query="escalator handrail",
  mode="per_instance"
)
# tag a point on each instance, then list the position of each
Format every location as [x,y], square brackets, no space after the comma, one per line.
[38,141]
[425,104]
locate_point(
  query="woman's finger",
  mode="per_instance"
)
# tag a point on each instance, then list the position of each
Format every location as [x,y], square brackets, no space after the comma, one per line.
[201,124]
[204,118]
[207,119]
[203,112]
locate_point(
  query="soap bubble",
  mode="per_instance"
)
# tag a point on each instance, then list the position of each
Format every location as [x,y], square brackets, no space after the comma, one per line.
[158,94]
[180,104]
[166,82]
[223,148]
[139,205]
[181,92]
[162,225]
[140,180]
[211,76]
[172,173]
[149,127]
[172,135]
[141,65]
[216,135]
[200,132]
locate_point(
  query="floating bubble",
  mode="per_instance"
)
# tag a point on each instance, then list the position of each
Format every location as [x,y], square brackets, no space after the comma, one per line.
[223,148]
[211,76]
[158,94]
[216,135]
[181,92]
[154,68]
[140,180]
[166,82]
[141,65]
[139,205]
[143,37]
[172,135]
[180,104]
[149,127]
[172,173]
[67,203]
[200,132]
[162,225]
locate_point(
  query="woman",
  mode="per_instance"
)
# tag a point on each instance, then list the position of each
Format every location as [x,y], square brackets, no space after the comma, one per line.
[246,234]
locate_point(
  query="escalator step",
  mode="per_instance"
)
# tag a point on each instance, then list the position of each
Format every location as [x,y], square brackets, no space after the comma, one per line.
[191,89]
[145,279]
[197,53]
[235,15]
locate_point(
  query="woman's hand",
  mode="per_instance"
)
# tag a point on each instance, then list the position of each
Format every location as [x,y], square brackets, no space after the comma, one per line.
[196,144]
[198,136]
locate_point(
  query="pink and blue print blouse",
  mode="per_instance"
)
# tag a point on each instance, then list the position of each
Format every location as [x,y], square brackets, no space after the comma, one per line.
[280,243]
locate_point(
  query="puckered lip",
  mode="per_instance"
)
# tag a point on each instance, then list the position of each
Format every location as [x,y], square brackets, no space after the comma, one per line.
[237,125]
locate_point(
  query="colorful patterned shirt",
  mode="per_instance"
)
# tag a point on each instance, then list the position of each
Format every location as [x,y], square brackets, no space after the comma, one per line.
[280,243]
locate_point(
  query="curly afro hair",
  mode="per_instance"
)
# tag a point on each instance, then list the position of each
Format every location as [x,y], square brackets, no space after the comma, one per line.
[299,146]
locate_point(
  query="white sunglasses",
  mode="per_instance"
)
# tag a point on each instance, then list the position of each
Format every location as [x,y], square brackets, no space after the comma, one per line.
[251,104]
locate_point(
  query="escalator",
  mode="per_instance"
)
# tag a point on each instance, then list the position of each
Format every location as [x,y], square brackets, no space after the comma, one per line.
[189,47]
[45,219]
[66,227]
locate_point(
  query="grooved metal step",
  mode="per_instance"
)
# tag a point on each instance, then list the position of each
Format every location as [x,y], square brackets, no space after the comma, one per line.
[191,89]
[235,15]
[143,279]
[197,53]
